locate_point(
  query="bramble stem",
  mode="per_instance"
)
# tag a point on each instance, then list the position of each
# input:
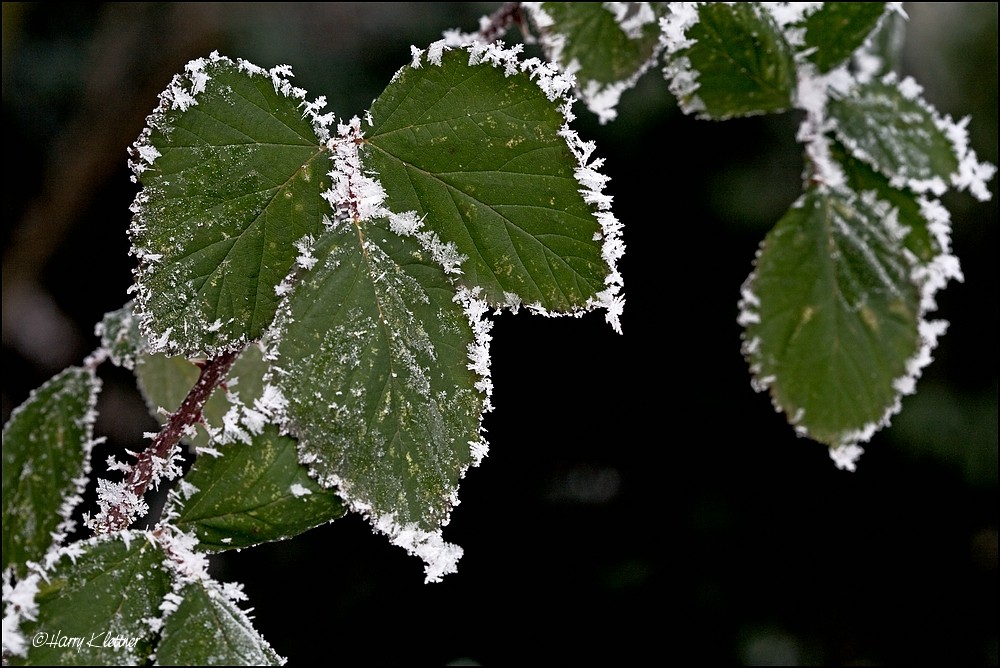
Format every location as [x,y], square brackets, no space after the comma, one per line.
[501,20]
[148,465]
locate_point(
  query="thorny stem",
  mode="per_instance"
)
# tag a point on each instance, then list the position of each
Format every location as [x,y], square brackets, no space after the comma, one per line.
[502,19]
[141,474]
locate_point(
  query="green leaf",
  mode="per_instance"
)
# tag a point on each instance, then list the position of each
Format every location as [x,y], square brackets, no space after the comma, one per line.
[886,43]
[836,29]
[860,178]
[208,629]
[896,132]
[121,337]
[482,158]
[232,172]
[607,53]
[252,493]
[373,360]
[831,317]
[103,593]
[737,64]
[46,456]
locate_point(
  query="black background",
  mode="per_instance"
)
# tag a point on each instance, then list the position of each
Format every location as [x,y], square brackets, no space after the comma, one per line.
[640,503]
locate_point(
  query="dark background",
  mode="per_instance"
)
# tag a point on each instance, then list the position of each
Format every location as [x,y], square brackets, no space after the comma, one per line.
[640,503]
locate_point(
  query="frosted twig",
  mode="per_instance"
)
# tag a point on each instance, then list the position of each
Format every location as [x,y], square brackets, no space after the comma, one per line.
[120,504]
[497,24]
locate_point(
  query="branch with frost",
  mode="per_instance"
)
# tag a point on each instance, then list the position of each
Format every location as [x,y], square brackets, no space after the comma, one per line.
[122,503]
[493,26]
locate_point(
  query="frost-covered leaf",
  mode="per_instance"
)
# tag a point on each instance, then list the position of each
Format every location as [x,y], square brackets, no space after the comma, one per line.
[882,51]
[46,458]
[165,381]
[121,337]
[836,29]
[606,46]
[860,177]
[206,628]
[251,493]
[373,360]
[831,317]
[93,605]
[476,144]
[727,59]
[232,166]
[889,126]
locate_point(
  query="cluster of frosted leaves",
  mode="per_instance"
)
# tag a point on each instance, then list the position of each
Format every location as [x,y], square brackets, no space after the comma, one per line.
[367,278]
[607,46]
[114,593]
[722,60]
[834,309]
[126,599]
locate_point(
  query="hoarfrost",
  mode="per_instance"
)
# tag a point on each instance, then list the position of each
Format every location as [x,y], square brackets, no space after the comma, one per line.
[971,175]
[416,55]
[185,560]
[409,224]
[190,570]
[479,450]
[682,78]
[788,15]
[811,96]
[19,605]
[233,591]
[272,402]
[232,430]
[306,260]
[185,489]
[632,16]
[440,558]
[117,498]
[748,305]
[675,24]
[846,456]
[350,187]
[253,420]
[479,351]
[406,224]
[614,303]
[148,153]
[910,89]
[435,52]
[299,491]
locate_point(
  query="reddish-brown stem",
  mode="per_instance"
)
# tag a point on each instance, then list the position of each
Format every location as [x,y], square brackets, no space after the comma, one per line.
[213,374]
[501,20]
